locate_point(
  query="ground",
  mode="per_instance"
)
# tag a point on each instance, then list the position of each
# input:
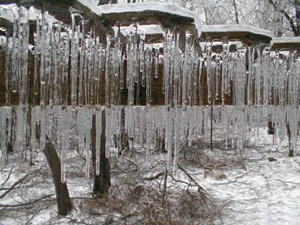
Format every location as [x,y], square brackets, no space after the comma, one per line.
[263,188]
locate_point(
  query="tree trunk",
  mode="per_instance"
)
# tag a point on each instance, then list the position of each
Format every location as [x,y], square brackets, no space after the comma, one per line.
[102,181]
[291,147]
[236,13]
[64,203]
[297,13]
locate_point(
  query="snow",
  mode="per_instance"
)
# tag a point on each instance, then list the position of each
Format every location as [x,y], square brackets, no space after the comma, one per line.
[266,193]
[140,29]
[155,6]
[144,6]
[235,28]
[276,40]
[10,12]
[261,189]
[92,5]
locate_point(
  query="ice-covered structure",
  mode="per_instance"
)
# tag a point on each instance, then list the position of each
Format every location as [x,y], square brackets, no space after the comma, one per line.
[178,82]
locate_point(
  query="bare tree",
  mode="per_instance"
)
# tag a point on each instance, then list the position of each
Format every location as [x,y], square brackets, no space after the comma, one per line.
[290,9]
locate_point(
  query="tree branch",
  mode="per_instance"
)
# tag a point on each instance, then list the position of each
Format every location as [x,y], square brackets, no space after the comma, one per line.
[26,203]
[8,176]
[286,15]
[235,11]
[200,188]
[154,176]
[16,183]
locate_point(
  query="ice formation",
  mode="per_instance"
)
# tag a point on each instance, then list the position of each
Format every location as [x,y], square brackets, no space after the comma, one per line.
[68,74]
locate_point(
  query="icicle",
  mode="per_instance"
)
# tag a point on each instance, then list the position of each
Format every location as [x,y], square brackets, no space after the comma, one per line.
[225,51]
[98,139]
[5,133]
[108,126]
[167,61]
[250,71]
[142,62]
[15,63]
[209,71]
[23,54]
[65,142]
[8,70]
[34,120]
[258,78]
[156,63]
[177,134]
[169,136]
[122,72]
[75,39]
[148,74]
[20,129]
[148,131]
[107,70]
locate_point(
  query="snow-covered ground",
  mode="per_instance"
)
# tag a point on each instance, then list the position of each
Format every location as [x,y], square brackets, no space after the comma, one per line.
[266,192]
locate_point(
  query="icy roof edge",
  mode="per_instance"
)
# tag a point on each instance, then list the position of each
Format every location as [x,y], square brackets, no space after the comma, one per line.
[150,6]
[143,6]
[287,43]
[285,40]
[234,28]
[92,6]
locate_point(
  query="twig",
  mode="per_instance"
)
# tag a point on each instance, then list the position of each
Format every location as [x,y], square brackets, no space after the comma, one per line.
[26,203]
[16,183]
[154,176]
[165,184]
[181,181]
[200,189]
[7,178]
[132,162]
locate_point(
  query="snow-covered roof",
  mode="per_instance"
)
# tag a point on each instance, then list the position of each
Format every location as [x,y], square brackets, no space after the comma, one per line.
[145,6]
[91,5]
[285,40]
[10,12]
[285,43]
[208,29]
[175,14]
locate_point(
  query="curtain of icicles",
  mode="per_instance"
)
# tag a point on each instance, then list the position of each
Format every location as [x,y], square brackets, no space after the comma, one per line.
[66,76]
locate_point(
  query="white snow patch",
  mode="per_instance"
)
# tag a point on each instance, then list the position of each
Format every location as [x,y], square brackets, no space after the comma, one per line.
[155,6]
[92,6]
[235,28]
[10,12]
[285,40]
[140,29]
